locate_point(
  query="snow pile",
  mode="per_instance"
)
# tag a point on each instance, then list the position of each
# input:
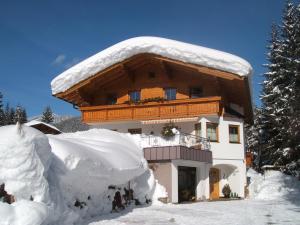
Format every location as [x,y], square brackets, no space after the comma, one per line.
[101,156]
[154,45]
[273,185]
[87,168]
[25,158]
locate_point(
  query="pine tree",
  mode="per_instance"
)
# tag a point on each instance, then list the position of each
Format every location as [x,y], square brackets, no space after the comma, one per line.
[20,115]
[272,106]
[2,116]
[47,116]
[280,95]
[23,115]
[254,142]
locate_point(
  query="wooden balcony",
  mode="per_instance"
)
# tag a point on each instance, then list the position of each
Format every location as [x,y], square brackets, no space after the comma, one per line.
[180,108]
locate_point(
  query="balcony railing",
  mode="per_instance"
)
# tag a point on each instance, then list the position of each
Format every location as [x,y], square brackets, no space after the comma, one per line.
[151,111]
[181,139]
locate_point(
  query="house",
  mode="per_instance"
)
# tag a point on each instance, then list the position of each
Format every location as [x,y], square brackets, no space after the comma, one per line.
[43,127]
[188,104]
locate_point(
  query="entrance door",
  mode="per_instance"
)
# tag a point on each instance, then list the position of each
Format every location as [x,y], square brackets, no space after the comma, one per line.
[214,178]
[186,183]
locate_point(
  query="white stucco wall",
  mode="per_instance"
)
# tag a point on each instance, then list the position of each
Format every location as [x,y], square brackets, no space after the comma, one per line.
[226,155]
[202,178]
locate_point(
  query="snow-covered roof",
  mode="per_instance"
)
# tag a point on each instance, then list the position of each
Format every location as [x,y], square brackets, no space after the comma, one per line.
[172,49]
[36,122]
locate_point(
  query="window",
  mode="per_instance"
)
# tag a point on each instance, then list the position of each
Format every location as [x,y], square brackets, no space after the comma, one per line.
[170,93]
[151,75]
[135,96]
[111,99]
[196,92]
[234,136]
[198,129]
[212,131]
[135,131]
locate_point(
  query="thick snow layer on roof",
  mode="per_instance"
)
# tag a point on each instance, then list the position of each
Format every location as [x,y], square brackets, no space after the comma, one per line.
[36,122]
[172,49]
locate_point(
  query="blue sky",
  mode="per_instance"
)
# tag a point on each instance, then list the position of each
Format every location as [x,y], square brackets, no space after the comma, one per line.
[41,39]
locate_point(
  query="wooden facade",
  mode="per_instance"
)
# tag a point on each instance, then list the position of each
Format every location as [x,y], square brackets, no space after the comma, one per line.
[151,111]
[151,75]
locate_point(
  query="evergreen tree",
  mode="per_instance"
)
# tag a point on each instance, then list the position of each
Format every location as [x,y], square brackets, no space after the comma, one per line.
[47,116]
[20,115]
[280,95]
[254,141]
[23,116]
[2,116]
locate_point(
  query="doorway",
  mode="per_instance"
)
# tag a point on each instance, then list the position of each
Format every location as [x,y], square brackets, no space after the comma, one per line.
[214,178]
[186,183]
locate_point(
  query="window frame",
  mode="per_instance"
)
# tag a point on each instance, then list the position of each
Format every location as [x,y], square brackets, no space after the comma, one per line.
[110,97]
[129,96]
[165,94]
[238,133]
[132,130]
[198,87]
[217,131]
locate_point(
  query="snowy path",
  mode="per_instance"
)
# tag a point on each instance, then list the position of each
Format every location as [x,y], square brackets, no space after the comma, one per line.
[232,212]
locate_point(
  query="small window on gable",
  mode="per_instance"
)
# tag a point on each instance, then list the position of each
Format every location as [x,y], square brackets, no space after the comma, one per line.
[135,131]
[170,93]
[151,75]
[111,99]
[234,134]
[212,132]
[135,96]
[196,92]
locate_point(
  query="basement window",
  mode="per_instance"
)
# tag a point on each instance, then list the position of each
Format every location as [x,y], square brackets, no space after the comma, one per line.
[135,131]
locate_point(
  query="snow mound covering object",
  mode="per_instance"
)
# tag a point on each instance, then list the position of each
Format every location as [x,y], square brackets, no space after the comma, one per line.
[25,156]
[273,185]
[95,159]
[172,49]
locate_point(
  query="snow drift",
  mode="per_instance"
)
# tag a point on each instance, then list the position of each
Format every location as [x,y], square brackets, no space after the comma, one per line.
[25,157]
[172,49]
[57,171]
[273,185]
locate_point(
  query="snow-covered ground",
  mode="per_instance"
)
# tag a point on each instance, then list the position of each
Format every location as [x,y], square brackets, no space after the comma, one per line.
[275,199]
[48,174]
[254,212]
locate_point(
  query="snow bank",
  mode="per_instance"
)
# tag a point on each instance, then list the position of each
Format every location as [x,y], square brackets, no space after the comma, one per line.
[82,168]
[273,185]
[25,156]
[23,213]
[161,46]
[98,157]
